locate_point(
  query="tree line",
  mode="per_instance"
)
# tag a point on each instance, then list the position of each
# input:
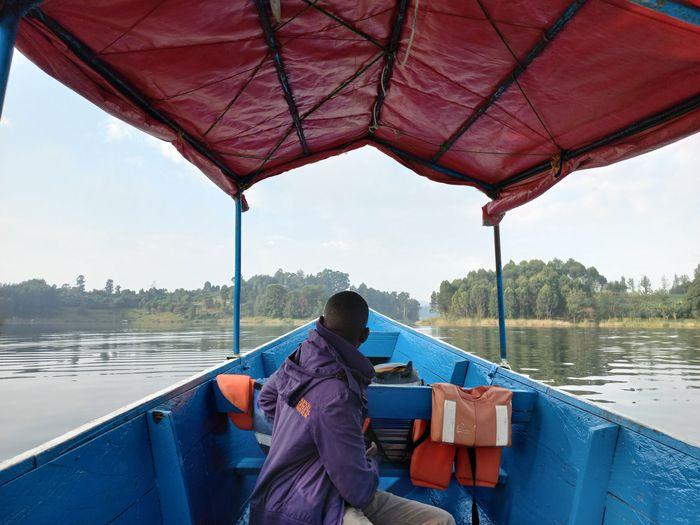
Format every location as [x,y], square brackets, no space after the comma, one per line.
[282,295]
[566,290]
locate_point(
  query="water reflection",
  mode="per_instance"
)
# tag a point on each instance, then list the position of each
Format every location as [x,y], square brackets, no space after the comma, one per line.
[652,376]
[51,382]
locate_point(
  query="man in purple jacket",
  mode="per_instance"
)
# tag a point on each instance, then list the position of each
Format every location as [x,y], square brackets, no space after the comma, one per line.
[318,471]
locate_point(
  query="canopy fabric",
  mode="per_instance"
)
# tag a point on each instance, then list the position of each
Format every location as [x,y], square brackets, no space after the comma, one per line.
[508,96]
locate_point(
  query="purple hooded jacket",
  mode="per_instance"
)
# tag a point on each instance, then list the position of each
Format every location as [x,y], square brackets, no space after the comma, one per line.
[317,461]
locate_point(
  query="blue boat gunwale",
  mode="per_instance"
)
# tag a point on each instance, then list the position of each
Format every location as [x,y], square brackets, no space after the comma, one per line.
[25,462]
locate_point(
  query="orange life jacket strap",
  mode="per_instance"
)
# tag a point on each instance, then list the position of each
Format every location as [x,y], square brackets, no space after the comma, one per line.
[365,425]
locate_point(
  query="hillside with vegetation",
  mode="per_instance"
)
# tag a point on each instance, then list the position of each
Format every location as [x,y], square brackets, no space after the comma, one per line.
[284,295]
[567,291]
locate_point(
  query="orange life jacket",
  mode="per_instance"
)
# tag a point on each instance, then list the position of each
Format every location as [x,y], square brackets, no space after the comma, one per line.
[431,463]
[238,390]
[478,417]
[488,463]
[464,422]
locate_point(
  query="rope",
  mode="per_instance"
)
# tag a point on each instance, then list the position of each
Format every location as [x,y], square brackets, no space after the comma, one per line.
[402,63]
[276,8]
[374,126]
[556,164]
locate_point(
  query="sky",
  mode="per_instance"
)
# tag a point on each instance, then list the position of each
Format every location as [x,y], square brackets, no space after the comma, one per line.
[83,193]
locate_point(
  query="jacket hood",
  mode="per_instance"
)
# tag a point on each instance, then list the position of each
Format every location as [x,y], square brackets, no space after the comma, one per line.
[324,355]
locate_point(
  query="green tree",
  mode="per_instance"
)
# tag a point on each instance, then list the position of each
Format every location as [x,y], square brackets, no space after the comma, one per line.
[434,302]
[645,285]
[460,303]
[295,307]
[692,296]
[224,296]
[333,281]
[479,300]
[80,283]
[680,284]
[546,302]
[444,300]
[273,301]
[109,287]
[576,304]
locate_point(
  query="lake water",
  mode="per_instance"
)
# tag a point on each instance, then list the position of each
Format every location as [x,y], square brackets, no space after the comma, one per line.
[51,382]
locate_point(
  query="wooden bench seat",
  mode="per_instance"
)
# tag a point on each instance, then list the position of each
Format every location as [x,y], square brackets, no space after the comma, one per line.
[406,402]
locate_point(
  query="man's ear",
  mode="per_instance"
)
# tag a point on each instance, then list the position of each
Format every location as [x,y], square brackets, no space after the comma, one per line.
[322,321]
[364,335]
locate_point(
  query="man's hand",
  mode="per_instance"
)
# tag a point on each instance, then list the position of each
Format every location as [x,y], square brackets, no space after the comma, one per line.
[372,451]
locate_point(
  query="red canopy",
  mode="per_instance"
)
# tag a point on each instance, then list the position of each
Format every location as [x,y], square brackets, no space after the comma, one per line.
[508,96]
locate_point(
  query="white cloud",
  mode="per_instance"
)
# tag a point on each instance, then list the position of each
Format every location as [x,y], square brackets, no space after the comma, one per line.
[5,122]
[19,60]
[166,149]
[337,245]
[115,129]
[135,160]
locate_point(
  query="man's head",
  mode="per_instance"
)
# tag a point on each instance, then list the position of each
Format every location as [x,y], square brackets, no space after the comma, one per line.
[346,314]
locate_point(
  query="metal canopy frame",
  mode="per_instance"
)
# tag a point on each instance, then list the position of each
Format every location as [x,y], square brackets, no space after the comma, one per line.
[13,10]
[273,46]
[237,281]
[486,187]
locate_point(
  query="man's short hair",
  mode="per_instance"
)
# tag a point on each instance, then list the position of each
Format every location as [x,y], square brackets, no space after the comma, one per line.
[346,313]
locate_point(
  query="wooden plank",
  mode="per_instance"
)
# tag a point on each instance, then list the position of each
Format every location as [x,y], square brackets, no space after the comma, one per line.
[172,490]
[146,509]
[654,480]
[274,356]
[248,466]
[404,402]
[252,466]
[433,364]
[95,483]
[459,372]
[380,344]
[591,489]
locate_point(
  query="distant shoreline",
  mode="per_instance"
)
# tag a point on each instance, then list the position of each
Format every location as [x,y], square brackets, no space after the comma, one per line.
[137,320]
[446,322]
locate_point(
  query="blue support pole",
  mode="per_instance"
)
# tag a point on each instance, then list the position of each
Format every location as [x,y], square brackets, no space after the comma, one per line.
[237,279]
[499,286]
[9,21]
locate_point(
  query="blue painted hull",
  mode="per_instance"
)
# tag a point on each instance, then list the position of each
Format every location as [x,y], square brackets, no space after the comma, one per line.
[571,462]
